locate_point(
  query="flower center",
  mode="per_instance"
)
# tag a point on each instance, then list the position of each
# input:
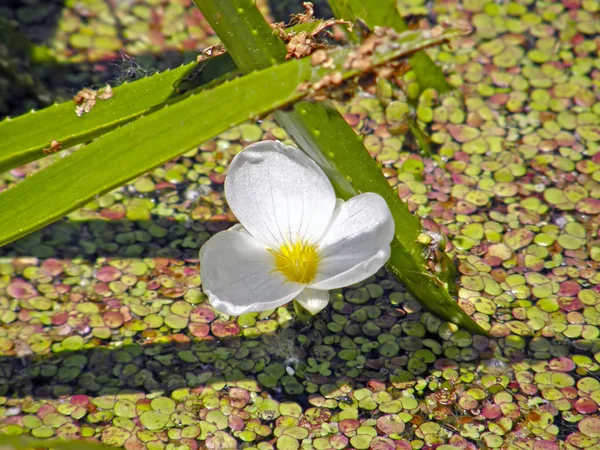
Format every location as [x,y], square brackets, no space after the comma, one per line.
[297,261]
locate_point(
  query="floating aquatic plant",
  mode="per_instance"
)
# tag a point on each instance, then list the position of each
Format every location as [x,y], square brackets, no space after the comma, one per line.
[515,189]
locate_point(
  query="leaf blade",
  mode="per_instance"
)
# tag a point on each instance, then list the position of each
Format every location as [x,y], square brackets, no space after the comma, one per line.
[143,144]
[130,100]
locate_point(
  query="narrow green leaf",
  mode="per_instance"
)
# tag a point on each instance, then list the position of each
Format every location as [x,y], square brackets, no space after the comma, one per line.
[384,13]
[325,136]
[251,45]
[206,74]
[139,146]
[60,123]
[352,171]
[27,443]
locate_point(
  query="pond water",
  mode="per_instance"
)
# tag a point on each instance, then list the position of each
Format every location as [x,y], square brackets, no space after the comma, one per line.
[105,332]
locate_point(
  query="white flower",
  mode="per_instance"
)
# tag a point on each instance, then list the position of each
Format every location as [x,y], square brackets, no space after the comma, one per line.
[294,240]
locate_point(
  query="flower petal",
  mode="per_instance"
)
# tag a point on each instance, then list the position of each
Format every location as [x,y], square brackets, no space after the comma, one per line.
[357,273]
[313,300]
[238,275]
[356,244]
[279,194]
[238,228]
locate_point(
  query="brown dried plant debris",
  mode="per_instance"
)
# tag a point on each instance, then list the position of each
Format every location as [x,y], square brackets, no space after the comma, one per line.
[381,40]
[211,52]
[86,98]
[360,59]
[332,86]
[331,79]
[105,93]
[305,17]
[55,146]
[305,42]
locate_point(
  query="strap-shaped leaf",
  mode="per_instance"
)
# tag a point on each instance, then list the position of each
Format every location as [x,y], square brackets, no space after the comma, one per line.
[24,138]
[139,146]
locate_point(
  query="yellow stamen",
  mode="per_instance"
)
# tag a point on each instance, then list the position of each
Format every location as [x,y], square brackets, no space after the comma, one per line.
[297,261]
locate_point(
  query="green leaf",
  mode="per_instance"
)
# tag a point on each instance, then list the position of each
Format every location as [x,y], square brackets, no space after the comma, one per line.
[251,47]
[27,443]
[321,132]
[384,13]
[129,101]
[352,170]
[139,146]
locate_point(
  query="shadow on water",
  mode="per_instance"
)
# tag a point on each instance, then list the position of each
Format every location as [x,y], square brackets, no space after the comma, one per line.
[290,359]
[31,78]
[290,363]
[90,240]
[152,367]
[367,334]
[283,9]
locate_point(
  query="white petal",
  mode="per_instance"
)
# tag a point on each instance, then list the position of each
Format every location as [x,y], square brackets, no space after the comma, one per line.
[238,275]
[279,194]
[313,300]
[356,244]
[357,273]
[238,228]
